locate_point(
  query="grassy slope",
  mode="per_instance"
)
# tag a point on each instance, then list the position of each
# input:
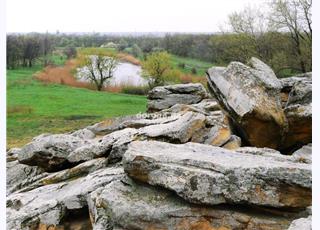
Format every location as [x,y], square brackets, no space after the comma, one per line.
[190,63]
[34,107]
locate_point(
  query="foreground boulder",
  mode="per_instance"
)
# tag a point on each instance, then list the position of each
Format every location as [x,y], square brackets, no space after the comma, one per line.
[298,111]
[164,97]
[50,152]
[210,175]
[48,205]
[124,204]
[251,96]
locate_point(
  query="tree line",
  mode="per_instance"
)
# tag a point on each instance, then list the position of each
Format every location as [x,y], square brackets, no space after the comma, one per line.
[280,35]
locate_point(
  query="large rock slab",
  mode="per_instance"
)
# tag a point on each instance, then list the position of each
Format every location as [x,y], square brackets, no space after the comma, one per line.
[50,152]
[211,175]
[111,145]
[179,131]
[298,111]
[251,96]
[21,175]
[163,97]
[49,205]
[127,205]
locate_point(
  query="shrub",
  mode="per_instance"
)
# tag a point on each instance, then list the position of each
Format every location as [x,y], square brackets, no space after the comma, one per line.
[182,65]
[173,76]
[137,90]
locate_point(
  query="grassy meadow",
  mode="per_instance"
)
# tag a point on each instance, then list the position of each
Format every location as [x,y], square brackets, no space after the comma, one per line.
[54,106]
[35,107]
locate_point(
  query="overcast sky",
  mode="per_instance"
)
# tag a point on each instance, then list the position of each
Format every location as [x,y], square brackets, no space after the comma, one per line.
[120,15]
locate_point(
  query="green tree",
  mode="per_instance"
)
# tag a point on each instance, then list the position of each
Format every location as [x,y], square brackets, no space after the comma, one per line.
[155,66]
[100,68]
[136,51]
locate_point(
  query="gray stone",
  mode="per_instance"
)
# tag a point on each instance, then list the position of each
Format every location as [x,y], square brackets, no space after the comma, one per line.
[288,82]
[80,170]
[298,111]
[127,205]
[301,224]
[132,121]
[104,146]
[12,154]
[211,175]
[233,143]
[164,97]
[50,151]
[48,205]
[251,96]
[180,130]
[21,175]
[304,154]
[84,134]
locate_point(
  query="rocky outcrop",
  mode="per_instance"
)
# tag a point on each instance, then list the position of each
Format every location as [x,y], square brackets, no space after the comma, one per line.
[48,205]
[163,97]
[125,204]
[50,152]
[21,175]
[186,166]
[210,175]
[298,111]
[251,96]
[267,112]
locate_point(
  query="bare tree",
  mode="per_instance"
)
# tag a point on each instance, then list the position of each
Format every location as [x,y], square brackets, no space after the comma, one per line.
[294,16]
[100,69]
[253,23]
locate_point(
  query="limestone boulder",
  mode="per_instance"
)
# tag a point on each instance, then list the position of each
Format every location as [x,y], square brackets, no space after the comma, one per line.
[21,175]
[50,152]
[52,204]
[113,144]
[180,131]
[206,174]
[298,111]
[251,96]
[163,97]
[124,204]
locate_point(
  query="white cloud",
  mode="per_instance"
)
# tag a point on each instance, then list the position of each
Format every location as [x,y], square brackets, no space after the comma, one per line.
[120,15]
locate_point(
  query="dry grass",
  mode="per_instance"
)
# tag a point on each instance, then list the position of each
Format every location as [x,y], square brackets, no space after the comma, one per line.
[19,109]
[128,58]
[62,75]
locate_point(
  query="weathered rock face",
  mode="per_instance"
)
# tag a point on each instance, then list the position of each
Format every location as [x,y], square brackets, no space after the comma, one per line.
[50,151]
[302,223]
[251,96]
[288,83]
[211,175]
[20,175]
[127,205]
[164,97]
[48,205]
[298,111]
[304,154]
[179,131]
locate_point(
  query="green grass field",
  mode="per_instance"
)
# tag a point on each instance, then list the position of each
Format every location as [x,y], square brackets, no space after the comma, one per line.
[34,107]
[200,66]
